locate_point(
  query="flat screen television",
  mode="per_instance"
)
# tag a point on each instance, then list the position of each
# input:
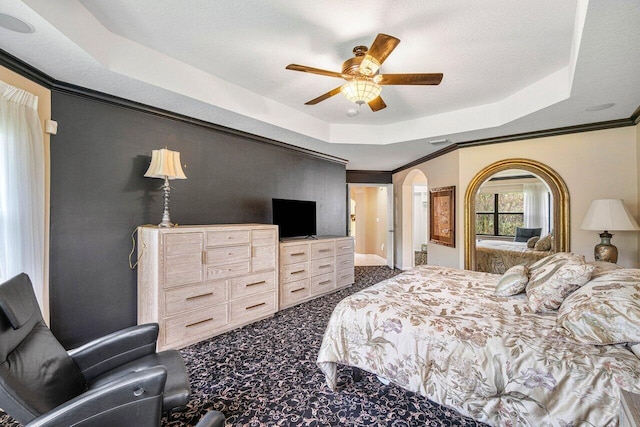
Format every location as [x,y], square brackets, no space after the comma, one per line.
[294,218]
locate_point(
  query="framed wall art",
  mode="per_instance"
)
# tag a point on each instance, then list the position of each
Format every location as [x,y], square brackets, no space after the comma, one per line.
[442,216]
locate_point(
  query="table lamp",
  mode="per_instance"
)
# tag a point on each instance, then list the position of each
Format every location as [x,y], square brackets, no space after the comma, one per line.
[608,215]
[165,164]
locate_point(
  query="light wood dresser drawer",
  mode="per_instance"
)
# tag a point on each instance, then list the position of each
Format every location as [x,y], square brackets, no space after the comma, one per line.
[194,325]
[323,283]
[294,292]
[344,261]
[344,246]
[253,307]
[293,272]
[322,249]
[294,254]
[225,254]
[344,277]
[254,284]
[194,297]
[322,266]
[227,237]
[227,270]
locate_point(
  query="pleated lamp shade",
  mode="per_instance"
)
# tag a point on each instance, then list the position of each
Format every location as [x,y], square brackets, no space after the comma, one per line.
[165,164]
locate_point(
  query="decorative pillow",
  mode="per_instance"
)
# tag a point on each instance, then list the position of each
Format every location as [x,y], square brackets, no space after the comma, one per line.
[548,295]
[531,243]
[544,244]
[604,311]
[524,234]
[544,268]
[602,267]
[513,281]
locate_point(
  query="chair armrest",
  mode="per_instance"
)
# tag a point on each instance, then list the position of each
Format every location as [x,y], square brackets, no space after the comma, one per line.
[103,354]
[212,419]
[135,399]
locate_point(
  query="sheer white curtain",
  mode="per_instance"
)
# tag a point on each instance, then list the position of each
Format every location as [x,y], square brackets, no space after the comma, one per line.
[536,206]
[21,187]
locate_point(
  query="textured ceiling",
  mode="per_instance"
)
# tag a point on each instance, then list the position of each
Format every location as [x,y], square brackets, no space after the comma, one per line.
[509,66]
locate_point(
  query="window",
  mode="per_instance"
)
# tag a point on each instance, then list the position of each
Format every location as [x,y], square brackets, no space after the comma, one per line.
[498,214]
[22,211]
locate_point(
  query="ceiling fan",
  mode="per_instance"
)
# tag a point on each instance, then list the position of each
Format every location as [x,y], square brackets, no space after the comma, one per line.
[361,73]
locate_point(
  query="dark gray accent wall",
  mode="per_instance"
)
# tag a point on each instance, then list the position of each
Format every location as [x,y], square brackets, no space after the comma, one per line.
[99,196]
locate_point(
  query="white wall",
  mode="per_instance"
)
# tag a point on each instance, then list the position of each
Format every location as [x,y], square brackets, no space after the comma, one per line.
[440,172]
[597,164]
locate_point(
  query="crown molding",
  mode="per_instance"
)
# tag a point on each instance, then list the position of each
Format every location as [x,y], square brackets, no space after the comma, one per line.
[588,127]
[635,117]
[18,66]
[435,154]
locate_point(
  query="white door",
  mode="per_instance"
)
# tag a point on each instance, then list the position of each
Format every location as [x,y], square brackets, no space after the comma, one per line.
[390,229]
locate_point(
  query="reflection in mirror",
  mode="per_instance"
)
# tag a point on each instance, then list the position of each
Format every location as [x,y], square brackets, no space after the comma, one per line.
[511,211]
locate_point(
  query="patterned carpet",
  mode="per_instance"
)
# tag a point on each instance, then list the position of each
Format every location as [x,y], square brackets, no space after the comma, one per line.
[265,375]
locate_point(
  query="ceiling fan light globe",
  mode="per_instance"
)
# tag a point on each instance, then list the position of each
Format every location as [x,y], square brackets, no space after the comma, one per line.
[361,91]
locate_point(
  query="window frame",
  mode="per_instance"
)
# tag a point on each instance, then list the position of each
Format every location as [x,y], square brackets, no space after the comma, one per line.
[496,218]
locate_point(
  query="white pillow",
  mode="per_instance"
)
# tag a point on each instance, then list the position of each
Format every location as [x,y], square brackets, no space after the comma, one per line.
[513,281]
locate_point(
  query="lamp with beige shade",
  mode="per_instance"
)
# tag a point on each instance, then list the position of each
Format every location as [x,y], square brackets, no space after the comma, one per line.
[165,164]
[608,215]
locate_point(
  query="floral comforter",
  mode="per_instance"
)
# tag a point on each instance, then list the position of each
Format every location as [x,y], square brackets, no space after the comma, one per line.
[442,333]
[497,256]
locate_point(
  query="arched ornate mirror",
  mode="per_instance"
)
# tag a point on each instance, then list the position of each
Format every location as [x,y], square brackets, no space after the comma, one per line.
[491,217]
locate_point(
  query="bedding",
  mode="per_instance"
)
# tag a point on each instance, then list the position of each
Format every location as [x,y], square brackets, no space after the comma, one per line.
[497,256]
[442,332]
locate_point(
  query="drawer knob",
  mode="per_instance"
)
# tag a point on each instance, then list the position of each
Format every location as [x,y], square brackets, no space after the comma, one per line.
[200,322]
[199,296]
[326,282]
[255,306]
[325,265]
[298,271]
[298,254]
[325,250]
[297,290]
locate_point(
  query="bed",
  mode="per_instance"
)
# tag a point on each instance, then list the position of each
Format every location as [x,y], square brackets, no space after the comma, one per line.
[497,256]
[442,332]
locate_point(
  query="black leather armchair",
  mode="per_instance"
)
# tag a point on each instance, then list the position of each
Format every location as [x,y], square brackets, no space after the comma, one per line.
[118,379]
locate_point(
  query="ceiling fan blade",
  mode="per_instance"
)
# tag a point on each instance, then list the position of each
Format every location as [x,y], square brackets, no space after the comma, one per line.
[409,79]
[304,68]
[382,46]
[324,96]
[377,104]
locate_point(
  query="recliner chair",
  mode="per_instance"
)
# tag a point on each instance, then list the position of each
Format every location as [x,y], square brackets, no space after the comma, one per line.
[118,379]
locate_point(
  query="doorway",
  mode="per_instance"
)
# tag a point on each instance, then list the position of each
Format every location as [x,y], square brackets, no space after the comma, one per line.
[415,219]
[371,223]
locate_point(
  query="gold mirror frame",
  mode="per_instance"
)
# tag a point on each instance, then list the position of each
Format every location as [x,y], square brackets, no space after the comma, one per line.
[555,183]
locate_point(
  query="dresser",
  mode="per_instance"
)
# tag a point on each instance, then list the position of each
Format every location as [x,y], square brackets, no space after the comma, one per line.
[200,281]
[310,268]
